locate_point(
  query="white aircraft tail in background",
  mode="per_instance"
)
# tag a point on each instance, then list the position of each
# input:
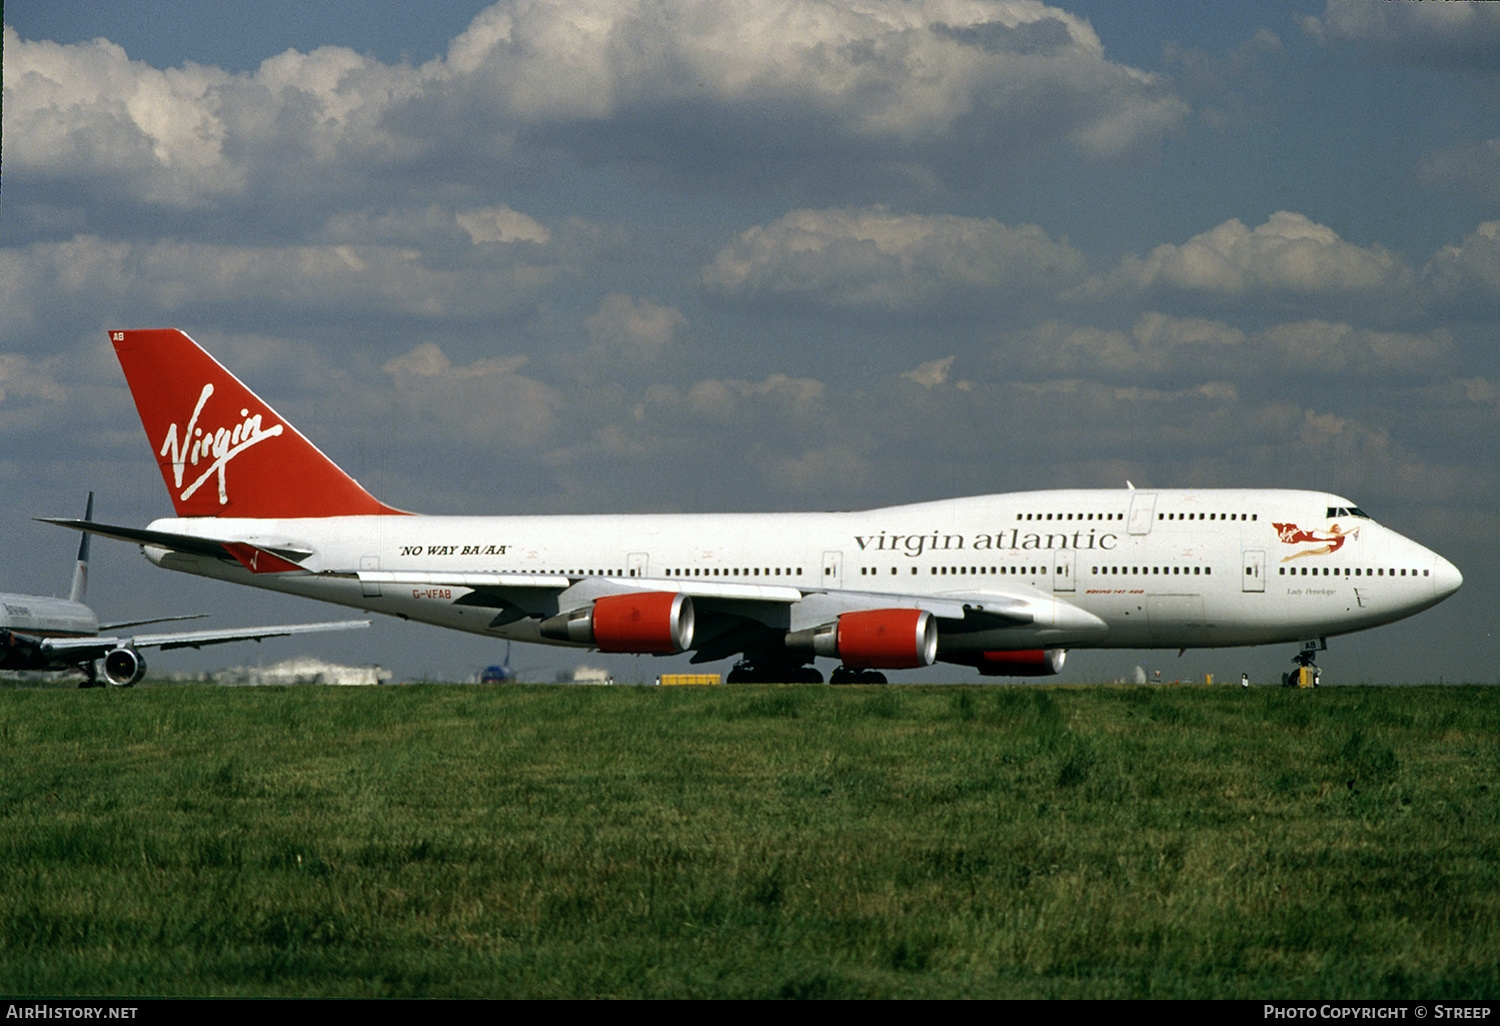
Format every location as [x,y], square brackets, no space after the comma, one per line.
[42,633]
[1002,583]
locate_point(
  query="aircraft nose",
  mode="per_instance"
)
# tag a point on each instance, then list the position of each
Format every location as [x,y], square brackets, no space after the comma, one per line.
[1445,578]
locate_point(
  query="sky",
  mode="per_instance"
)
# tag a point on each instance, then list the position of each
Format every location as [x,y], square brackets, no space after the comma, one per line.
[582,256]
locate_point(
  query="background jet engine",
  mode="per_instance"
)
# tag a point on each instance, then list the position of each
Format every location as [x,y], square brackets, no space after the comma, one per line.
[123,667]
[651,623]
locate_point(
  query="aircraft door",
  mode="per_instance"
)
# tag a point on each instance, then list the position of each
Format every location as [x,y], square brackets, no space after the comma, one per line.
[1142,512]
[1254,562]
[1062,570]
[370,589]
[637,563]
[833,565]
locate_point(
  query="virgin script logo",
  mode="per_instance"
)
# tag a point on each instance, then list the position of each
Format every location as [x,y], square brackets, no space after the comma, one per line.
[218,446]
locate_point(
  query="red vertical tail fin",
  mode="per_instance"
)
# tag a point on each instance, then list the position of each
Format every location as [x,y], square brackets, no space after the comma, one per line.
[222,450]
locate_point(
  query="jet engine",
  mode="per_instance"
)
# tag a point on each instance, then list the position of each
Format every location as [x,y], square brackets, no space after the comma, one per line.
[651,622]
[1033,663]
[124,667]
[874,639]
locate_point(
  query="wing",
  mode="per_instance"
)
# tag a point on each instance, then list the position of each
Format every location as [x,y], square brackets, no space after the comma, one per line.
[729,618]
[85,649]
[155,619]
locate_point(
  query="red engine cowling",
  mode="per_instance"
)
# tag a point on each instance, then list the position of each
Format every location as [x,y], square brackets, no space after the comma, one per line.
[881,639]
[647,622]
[1033,663]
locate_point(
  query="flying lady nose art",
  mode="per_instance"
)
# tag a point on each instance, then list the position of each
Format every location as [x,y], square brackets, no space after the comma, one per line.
[1326,542]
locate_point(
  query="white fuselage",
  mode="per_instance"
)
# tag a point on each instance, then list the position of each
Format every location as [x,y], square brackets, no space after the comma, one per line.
[44,617]
[1095,569]
[39,618]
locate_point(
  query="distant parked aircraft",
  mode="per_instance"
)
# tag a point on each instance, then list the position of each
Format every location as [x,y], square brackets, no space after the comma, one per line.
[42,633]
[499,673]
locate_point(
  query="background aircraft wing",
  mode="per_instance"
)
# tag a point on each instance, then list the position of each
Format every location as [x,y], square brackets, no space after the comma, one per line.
[155,619]
[94,648]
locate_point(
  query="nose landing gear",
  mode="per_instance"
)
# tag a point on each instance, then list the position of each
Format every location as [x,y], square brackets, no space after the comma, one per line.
[1307,674]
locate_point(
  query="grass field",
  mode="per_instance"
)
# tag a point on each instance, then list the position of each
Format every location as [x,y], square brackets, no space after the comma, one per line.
[752,842]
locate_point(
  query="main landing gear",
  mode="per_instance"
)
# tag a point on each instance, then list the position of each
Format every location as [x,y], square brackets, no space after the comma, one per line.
[746,672]
[844,675]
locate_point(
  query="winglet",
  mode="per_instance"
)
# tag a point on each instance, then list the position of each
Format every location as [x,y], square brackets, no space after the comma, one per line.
[222,450]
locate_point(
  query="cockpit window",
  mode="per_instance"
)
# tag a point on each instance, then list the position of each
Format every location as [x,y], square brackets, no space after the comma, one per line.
[1347,511]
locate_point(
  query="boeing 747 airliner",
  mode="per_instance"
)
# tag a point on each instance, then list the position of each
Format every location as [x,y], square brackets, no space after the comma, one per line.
[1001,583]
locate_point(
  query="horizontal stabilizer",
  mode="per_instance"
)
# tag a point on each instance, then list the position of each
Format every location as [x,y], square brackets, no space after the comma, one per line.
[257,557]
[177,542]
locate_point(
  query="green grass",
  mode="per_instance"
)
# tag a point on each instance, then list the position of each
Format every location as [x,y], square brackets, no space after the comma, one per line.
[751,842]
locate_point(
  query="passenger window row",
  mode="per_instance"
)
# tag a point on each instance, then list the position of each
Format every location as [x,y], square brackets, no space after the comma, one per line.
[1344,571]
[1208,516]
[1241,517]
[935,571]
[1070,516]
[1153,571]
[739,571]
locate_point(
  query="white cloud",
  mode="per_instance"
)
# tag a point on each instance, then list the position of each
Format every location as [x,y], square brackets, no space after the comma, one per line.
[874,259]
[87,111]
[171,275]
[194,136]
[631,331]
[722,400]
[932,373]
[502,224]
[1159,345]
[21,377]
[1471,270]
[1288,256]
[1158,330]
[1319,349]
[1167,348]
[485,403]
[1444,34]
[952,74]
[880,69]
